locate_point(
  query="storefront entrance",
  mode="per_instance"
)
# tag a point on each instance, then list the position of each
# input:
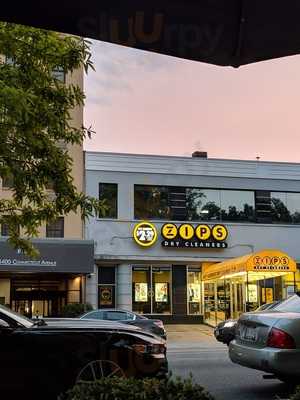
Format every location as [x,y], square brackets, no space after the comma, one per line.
[164,289]
[245,283]
[151,289]
[42,297]
[222,300]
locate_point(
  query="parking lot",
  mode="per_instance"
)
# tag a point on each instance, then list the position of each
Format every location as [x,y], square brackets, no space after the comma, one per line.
[193,349]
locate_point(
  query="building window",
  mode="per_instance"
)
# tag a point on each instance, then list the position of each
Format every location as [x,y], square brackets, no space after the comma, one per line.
[193,204]
[108,193]
[55,229]
[237,205]
[151,202]
[5,230]
[203,204]
[285,207]
[59,74]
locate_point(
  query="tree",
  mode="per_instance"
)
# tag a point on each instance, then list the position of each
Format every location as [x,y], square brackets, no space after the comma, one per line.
[35,115]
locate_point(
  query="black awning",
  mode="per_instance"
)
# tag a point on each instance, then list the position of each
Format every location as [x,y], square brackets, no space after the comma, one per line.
[222,32]
[68,256]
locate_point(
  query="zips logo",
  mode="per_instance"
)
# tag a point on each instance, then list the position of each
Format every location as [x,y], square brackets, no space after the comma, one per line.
[145,234]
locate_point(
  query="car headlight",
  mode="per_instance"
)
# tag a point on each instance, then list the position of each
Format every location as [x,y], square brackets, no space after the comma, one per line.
[154,348]
[229,324]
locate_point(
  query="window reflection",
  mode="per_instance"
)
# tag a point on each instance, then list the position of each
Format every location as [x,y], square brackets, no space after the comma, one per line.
[237,205]
[293,205]
[203,204]
[151,202]
[197,204]
[279,210]
[108,193]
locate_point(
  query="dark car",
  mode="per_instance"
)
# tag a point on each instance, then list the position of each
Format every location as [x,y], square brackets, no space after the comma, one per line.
[225,331]
[154,326]
[41,359]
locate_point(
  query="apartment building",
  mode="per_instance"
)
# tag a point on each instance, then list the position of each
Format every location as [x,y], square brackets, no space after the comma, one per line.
[42,287]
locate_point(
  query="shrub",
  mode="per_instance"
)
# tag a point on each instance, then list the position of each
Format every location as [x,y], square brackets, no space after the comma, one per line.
[73,310]
[138,389]
[296,396]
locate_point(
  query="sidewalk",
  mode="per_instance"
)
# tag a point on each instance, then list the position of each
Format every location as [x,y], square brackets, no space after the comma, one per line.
[191,336]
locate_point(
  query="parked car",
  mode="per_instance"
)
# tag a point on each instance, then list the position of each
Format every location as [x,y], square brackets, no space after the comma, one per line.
[42,359]
[155,326]
[225,331]
[270,340]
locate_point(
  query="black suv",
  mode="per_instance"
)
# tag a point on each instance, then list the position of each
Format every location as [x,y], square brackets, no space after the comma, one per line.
[43,359]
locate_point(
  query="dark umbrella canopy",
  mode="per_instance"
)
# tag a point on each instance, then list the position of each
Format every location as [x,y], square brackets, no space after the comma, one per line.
[221,32]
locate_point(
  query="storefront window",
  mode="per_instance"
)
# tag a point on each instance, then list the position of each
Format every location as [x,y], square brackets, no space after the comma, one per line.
[141,290]
[223,300]
[161,283]
[107,286]
[210,303]
[194,291]
[151,290]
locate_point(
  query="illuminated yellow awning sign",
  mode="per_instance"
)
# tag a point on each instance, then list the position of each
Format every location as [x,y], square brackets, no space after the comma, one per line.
[262,261]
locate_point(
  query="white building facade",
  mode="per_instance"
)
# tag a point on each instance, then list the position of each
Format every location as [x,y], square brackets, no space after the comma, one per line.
[201,212]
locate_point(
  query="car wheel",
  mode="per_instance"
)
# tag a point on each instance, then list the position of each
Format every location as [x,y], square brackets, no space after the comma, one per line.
[98,369]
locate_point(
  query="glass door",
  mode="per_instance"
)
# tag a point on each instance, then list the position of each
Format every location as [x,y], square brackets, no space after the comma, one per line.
[223,300]
[194,291]
[210,303]
[237,299]
[151,289]
[161,289]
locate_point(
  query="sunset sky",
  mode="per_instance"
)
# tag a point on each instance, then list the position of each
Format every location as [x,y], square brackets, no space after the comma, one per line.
[141,102]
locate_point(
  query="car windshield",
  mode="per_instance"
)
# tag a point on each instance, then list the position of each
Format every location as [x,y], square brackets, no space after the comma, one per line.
[268,306]
[19,319]
[292,304]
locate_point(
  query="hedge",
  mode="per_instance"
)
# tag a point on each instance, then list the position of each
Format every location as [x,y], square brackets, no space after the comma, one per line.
[138,389]
[296,396]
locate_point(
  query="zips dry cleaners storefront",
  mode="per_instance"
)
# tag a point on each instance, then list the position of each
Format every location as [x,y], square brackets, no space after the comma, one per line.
[189,291]
[42,286]
[190,240]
